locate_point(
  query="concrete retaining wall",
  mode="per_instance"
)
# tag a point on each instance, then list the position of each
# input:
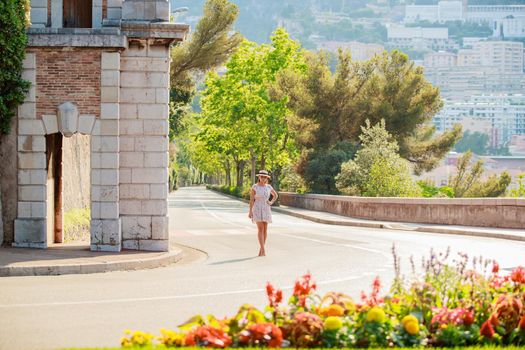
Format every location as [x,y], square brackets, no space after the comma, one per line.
[486,212]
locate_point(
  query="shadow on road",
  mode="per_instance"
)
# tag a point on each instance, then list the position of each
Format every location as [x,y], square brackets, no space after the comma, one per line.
[233,260]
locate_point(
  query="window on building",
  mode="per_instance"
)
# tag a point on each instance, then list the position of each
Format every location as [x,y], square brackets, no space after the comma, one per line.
[77,13]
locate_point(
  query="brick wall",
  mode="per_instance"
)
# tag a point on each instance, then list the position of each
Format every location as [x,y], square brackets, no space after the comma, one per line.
[67,75]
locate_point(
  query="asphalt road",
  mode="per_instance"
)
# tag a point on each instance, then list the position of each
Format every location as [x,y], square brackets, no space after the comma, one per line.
[217,275]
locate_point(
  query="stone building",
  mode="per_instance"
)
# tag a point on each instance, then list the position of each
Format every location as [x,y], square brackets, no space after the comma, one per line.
[98,68]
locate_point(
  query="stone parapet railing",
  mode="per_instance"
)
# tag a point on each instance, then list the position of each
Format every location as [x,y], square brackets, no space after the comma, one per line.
[483,212]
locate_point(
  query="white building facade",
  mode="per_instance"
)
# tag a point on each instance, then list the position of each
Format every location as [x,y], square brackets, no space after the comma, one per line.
[418,38]
[500,116]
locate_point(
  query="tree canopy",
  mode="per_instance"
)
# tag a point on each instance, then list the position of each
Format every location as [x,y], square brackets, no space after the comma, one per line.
[240,119]
[209,46]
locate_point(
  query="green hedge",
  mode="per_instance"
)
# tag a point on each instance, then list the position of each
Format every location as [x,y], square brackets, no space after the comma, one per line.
[13,42]
[239,192]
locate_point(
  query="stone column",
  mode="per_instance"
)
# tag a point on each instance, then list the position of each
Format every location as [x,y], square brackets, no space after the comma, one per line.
[96,15]
[106,233]
[114,9]
[144,92]
[30,226]
[57,13]
[38,13]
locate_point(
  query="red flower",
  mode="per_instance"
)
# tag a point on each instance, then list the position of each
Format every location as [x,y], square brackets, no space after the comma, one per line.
[487,330]
[262,334]
[521,325]
[495,267]
[518,275]
[468,318]
[275,296]
[303,287]
[373,299]
[208,336]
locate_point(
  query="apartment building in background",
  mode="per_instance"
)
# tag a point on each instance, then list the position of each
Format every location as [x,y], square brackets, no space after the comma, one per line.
[499,116]
[419,38]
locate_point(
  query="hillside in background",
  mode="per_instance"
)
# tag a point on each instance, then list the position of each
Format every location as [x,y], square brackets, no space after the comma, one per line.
[258,19]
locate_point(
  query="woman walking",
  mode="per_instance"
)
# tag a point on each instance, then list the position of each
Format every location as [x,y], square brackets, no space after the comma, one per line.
[260,203]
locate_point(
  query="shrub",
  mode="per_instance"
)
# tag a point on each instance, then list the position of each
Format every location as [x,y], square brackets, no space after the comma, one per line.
[13,42]
[377,169]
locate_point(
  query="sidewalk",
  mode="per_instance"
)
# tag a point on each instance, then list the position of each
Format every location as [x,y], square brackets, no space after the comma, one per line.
[77,258]
[334,219]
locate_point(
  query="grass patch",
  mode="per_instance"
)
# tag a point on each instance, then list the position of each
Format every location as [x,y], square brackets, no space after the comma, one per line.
[76,224]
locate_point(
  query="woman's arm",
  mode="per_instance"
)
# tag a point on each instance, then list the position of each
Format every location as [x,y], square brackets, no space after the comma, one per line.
[252,198]
[274,196]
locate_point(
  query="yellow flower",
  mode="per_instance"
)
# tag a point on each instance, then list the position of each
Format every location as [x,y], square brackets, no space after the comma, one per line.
[375,314]
[412,327]
[333,323]
[409,318]
[335,310]
[171,338]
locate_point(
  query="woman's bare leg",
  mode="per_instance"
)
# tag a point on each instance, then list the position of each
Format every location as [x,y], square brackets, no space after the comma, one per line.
[265,231]
[260,236]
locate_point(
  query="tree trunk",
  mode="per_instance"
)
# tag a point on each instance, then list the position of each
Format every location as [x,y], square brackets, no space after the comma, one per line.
[228,174]
[263,162]
[253,161]
[240,173]
[276,174]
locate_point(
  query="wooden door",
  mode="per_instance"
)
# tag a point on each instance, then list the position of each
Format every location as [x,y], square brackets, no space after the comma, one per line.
[78,13]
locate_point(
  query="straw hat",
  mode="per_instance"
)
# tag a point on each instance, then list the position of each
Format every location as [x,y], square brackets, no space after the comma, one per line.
[263,173]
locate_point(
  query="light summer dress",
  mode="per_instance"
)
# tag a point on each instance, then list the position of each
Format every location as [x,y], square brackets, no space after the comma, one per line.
[261,208]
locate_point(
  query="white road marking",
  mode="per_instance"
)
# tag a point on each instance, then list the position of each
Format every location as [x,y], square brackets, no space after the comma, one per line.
[221,219]
[167,297]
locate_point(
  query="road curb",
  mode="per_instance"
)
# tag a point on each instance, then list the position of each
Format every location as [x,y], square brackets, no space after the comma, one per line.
[329,222]
[68,269]
[427,229]
[473,233]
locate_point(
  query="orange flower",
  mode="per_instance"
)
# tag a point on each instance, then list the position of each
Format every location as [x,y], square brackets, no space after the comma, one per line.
[260,334]
[208,336]
[335,310]
[495,267]
[303,287]
[518,275]
[275,296]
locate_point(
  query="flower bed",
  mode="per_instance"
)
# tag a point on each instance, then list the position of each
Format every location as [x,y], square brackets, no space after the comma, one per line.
[463,303]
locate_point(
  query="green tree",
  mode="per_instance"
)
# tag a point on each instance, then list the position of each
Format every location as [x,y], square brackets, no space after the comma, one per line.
[476,142]
[331,108]
[209,46]
[377,169]
[323,165]
[468,181]
[13,42]
[240,117]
